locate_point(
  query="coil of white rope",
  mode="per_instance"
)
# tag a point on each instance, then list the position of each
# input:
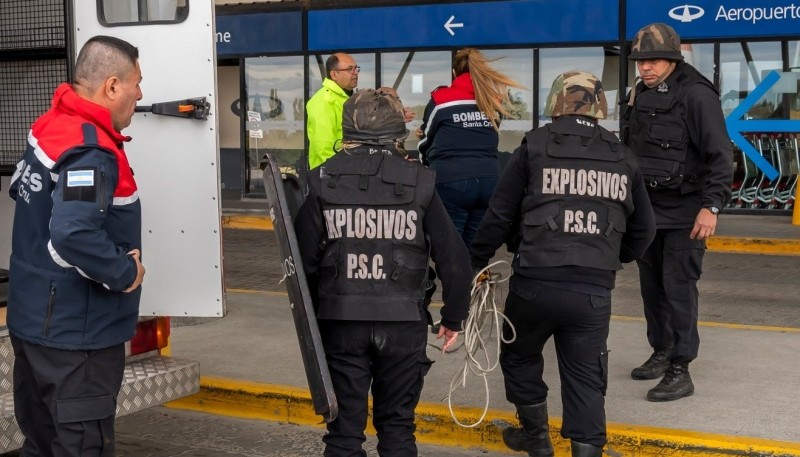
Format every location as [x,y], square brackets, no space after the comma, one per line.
[484,325]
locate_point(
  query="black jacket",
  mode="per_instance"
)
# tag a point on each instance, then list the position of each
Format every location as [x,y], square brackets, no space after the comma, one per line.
[325,243]
[504,214]
[709,153]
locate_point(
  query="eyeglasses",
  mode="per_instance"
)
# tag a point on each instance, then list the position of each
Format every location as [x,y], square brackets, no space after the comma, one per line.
[351,69]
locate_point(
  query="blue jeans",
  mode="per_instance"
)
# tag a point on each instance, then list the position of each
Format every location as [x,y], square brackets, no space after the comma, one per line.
[466,202]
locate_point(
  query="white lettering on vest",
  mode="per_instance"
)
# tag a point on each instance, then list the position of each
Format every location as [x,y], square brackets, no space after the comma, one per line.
[360,266]
[579,222]
[591,183]
[371,223]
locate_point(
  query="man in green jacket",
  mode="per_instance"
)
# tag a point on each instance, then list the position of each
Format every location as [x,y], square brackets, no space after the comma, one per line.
[324,109]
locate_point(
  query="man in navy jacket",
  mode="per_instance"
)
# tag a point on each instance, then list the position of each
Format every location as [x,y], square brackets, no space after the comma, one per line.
[75,270]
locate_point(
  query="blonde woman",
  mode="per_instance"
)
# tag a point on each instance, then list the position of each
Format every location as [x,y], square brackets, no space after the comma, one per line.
[459,137]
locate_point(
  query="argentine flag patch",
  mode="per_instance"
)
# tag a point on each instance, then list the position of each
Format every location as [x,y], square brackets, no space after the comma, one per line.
[80,178]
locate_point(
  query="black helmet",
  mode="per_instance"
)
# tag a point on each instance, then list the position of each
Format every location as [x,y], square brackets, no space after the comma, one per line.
[656,41]
[373,117]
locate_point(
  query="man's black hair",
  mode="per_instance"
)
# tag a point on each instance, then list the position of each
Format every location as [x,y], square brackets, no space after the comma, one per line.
[331,64]
[129,50]
[103,56]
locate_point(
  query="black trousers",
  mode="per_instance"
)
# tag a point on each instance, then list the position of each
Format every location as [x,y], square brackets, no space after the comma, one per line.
[389,356]
[65,401]
[578,323]
[668,280]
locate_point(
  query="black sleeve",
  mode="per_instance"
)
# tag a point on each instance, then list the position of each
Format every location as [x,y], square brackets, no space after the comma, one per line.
[452,263]
[311,237]
[504,207]
[707,130]
[641,224]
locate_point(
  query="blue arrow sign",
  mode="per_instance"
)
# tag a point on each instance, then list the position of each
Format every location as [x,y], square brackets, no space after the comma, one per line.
[736,124]
[452,25]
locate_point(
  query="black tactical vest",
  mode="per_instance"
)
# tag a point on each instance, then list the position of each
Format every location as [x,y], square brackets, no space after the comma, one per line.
[656,131]
[578,198]
[376,256]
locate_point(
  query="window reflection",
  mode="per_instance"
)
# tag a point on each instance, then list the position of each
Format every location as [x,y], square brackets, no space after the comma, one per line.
[794,67]
[415,74]
[742,67]
[275,114]
[701,57]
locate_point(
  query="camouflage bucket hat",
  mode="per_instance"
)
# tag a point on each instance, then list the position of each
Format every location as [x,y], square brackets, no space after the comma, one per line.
[373,117]
[577,92]
[656,41]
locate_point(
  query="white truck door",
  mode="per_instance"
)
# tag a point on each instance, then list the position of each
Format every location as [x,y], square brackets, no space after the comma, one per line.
[175,160]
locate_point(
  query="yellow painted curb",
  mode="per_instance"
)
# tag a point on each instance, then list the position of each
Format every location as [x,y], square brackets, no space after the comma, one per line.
[254,400]
[743,245]
[246,222]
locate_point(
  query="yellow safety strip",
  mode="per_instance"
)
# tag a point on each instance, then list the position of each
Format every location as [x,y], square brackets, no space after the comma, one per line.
[253,400]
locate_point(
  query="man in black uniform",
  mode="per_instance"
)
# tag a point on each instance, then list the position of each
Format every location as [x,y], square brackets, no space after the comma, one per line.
[371,220]
[674,124]
[583,209]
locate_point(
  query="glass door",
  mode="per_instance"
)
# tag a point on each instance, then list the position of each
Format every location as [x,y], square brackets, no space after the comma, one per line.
[274,115]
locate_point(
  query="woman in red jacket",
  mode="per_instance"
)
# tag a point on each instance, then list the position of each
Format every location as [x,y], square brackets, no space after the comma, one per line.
[459,138]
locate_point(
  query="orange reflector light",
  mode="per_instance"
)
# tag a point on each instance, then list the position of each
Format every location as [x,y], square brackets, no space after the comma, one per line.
[151,335]
[185,108]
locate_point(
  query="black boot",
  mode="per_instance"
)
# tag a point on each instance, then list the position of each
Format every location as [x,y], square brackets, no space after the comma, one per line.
[585,450]
[655,366]
[533,437]
[677,383]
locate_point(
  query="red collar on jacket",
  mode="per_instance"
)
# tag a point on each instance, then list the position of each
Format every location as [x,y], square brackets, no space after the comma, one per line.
[60,129]
[68,109]
[460,89]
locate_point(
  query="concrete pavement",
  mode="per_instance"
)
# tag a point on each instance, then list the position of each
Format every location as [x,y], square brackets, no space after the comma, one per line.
[169,432]
[746,401]
[746,383]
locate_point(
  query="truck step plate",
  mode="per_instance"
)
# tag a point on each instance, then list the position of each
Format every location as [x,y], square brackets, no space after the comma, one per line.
[147,382]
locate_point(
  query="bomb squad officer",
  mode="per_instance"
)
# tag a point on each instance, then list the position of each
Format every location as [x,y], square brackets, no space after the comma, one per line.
[370,223]
[575,194]
[674,123]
